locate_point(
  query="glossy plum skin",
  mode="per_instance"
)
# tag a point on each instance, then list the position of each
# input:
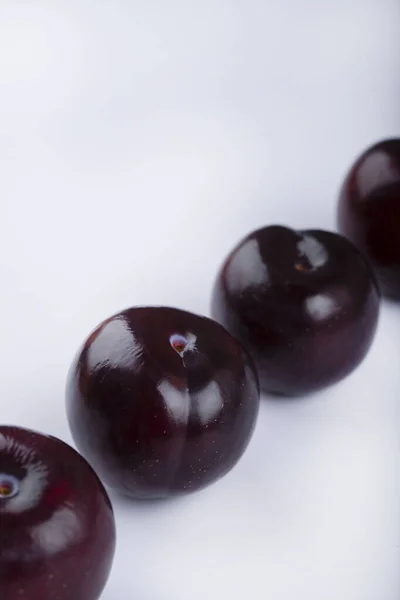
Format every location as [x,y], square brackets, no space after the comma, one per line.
[57,530]
[304,303]
[369,211]
[161,401]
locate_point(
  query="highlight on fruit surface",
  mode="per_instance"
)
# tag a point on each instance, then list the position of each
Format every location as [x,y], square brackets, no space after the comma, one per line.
[305,305]
[369,211]
[161,401]
[57,529]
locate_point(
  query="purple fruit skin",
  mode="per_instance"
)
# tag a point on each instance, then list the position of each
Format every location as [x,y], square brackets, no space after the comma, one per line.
[369,211]
[305,304]
[57,534]
[156,422]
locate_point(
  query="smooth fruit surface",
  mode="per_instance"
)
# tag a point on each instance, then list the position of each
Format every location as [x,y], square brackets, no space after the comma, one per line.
[304,303]
[57,531]
[161,401]
[369,211]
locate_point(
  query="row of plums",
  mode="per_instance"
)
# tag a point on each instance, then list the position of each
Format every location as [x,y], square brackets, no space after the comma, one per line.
[162,402]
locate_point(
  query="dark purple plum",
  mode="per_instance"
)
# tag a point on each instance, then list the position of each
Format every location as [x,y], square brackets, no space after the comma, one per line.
[57,530]
[161,401]
[305,304]
[369,211]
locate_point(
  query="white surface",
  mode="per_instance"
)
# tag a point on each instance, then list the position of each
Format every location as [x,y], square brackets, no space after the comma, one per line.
[139,140]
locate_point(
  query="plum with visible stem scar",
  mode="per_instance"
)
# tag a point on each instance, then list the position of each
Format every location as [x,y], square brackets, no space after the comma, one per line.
[57,530]
[161,401]
[305,304]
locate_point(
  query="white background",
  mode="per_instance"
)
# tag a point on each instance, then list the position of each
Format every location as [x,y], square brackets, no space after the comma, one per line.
[140,140]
